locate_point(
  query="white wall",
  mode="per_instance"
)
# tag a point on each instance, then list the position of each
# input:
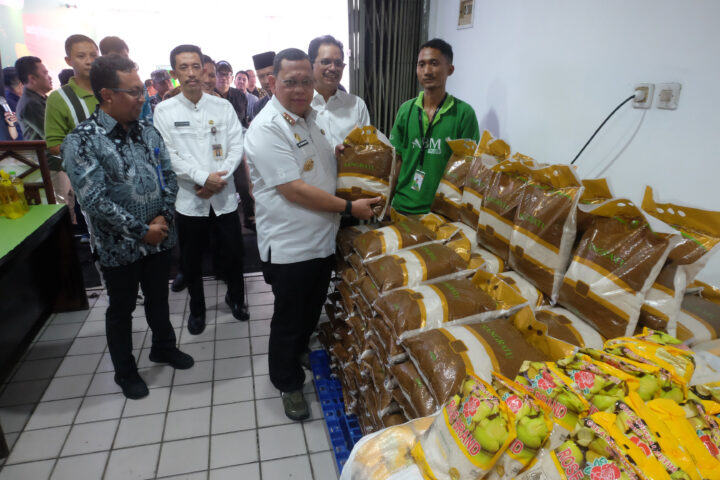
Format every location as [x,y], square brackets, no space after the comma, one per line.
[543,74]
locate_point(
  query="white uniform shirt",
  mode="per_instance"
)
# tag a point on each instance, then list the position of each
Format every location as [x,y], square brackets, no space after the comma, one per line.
[282,147]
[340,114]
[187,129]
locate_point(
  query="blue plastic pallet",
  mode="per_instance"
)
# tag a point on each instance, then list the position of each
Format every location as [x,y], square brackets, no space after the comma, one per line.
[344,429]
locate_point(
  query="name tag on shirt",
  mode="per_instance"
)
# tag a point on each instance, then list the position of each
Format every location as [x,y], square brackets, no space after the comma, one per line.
[182,124]
[302,143]
[418,179]
[217,151]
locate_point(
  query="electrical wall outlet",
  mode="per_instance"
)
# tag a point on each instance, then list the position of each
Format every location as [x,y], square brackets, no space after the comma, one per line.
[643,95]
[668,95]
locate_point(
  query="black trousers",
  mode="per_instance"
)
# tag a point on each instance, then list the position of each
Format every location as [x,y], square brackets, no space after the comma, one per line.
[242,186]
[122,282]
[195,234]
[300,290]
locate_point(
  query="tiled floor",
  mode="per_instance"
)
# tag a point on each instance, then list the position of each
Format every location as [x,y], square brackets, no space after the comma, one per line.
[64,417]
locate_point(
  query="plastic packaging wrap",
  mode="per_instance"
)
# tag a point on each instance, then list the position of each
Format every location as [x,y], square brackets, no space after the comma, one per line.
[365,168]
[700,230]
[497,215]
[488,154]
[468,436]
[449,192]
[545,227]
[385,240]
[565,326]
[699,316]
[615,264]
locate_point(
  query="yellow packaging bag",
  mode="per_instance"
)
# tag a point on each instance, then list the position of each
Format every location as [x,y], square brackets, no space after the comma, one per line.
[599,383]
[590,454]
[532,427]
[635,447]
[449,192]
[700,230]
[697,444]
[551,387]
[652,381]
[678,361]
[469,435]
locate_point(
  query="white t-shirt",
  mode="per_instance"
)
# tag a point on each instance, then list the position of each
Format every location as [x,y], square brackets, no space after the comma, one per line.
[340,114]
[196,152]
[282,147]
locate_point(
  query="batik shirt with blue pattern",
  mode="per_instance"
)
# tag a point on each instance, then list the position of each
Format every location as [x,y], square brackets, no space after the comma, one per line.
[115,177]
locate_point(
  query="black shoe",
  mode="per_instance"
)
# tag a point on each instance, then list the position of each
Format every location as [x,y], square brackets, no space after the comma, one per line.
[239,311]
[172,356]
[178,284]
[133,386]
[196,324]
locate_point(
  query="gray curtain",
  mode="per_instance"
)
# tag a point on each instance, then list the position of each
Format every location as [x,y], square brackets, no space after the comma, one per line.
[384,38]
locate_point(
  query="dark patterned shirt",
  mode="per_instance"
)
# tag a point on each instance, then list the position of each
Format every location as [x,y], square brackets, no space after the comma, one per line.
[115,176]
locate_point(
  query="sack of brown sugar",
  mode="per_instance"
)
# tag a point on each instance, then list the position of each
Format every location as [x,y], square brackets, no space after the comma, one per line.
[414,266]
[497,214]
[565,326]
[365,168]
[408,311]
[489,153]
[389,239]
[699,316]
[700,239]
[614,265]
[444,356]
[345,237]
[544,228]
[449,191]
[412,387]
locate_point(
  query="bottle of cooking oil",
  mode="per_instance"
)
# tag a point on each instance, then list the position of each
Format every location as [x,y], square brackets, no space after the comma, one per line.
[4,197]
[19,186]
[13,205]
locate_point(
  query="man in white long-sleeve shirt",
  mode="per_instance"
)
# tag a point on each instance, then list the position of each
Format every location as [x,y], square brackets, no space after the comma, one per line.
[205,141]
[338,112]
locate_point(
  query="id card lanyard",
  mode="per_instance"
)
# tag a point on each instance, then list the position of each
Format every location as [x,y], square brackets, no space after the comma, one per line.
[419,176]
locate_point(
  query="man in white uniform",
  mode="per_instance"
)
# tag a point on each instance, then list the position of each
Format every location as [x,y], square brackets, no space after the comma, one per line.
[294,172]
[338,112]
[205,141]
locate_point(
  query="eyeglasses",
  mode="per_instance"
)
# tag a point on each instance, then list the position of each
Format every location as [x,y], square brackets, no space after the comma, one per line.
[326,62]
[292,83]
[134,92]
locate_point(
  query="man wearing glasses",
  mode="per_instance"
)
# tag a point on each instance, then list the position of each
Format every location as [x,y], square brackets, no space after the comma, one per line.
[120,171]
[338,112]
[205,141]
[237,98]
[294,172]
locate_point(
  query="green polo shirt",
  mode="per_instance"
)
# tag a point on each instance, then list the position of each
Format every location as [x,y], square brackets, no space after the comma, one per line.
[456,119]
[59,118]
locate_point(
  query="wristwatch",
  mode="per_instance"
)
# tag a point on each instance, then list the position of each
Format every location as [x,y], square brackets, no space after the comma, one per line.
[348,207]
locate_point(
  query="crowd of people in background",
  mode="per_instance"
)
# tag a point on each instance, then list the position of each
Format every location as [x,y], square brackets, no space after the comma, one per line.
[145,165]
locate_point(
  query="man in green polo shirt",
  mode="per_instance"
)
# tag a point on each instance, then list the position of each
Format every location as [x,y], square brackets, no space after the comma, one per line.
[423,124]
[68,106]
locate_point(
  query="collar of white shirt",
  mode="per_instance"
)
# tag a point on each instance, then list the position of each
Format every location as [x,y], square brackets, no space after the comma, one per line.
[186,102]
[310,115]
